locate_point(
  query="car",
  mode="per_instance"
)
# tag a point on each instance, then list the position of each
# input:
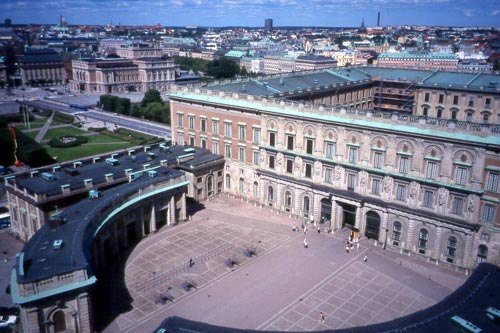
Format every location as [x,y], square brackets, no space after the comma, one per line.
[4,223]
[7,320]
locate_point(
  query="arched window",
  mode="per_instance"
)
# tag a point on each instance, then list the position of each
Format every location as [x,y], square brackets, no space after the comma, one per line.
[210,185]
[288,201]
[241,185]
[451,247]
[306,206]
[439,113]
[396,233]
[423,237]
[454,114]
[228,181]
[482,253]
[255,189]
[59,321]
[270,194]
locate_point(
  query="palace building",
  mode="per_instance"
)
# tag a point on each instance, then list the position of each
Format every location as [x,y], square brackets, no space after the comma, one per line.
[407,158]
[76,217]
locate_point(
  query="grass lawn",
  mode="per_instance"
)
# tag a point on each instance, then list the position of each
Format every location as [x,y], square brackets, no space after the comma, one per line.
[100,138]
[62,131]
[32,134]
[66,154]
[33,124]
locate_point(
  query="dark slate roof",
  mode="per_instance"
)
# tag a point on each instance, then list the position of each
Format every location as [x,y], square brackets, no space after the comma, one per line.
[479,292]
[41,55]
[78,222]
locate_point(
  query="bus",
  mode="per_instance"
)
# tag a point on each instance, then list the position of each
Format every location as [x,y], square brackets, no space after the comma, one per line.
[79,107]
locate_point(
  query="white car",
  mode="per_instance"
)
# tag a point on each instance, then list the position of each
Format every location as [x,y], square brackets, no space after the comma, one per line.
[7,320]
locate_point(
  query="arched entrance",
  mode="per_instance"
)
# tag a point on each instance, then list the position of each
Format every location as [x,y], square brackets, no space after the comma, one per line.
[348,215]
[326,211]
[59,320]
[372,229]
[210,185]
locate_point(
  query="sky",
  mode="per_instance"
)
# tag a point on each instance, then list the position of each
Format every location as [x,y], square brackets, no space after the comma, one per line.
[251,13]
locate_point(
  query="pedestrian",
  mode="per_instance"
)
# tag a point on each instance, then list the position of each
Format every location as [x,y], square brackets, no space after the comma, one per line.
[365,259]
[357,246]
[303,225]
[305,230]
[305,243]
[319,230]
[191,262]
[347,248]
[321,317]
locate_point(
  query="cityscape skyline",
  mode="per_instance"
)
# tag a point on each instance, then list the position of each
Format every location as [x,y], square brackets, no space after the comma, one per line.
[324,13]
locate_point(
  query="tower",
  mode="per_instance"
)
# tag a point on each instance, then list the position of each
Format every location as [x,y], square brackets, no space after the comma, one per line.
[378,19]
[268,24]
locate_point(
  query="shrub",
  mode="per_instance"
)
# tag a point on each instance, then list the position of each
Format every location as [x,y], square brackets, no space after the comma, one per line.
[61,143]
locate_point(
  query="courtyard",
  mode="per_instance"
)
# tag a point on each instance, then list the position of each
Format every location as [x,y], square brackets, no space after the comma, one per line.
[283,287]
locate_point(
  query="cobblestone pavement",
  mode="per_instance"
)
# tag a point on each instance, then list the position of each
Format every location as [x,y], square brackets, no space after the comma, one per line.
[284,287]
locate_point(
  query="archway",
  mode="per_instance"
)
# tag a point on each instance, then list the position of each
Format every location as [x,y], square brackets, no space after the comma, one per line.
[59,320]
[326,210]
[210,185]
[372,229]
[348,215]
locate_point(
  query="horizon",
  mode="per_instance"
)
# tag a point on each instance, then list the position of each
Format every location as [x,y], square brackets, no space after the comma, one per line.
[228,13]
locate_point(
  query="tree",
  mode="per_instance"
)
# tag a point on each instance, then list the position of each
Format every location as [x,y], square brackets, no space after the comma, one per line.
[136,111]
[222,68]
[243,71]
[151,96]
[156,112]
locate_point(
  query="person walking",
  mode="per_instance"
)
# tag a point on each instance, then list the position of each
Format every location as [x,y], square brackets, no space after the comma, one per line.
[321,317]
[357,246]
[319,230]
[347,248]
[306,245]
[365,259]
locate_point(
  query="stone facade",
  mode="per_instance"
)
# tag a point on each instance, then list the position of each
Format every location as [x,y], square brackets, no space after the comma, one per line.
[416,185]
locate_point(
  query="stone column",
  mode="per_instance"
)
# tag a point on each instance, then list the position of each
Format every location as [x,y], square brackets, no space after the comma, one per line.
[171,211]
[333,213]
[141,220]
[468,260]
[384,228]
[183,216]
[359,215]
[152,221]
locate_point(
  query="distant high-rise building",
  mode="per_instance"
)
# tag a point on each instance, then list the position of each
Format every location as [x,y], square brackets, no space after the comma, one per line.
[378,19]
[8,22]
[268,24]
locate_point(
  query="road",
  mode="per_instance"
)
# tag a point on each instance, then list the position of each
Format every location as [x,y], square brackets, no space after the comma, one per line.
[134,124]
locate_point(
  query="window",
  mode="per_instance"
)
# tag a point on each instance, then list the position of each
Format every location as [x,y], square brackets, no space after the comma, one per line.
[431,170]
[428,199]
[309,146]
[272,139]
[241,154]
[180,139]
[377,160]
[441,99]
[396,233]
[351,181]
[256,157]
[289,166]
[308,170]
[401,192]
[487,103]
[215,147]
[255,189]
[425,111]
[454,114]
[468,116]
[270,194]
[423,237]
[271,162]
[471,101]
[228,151]
[451,247]
[228,181]
[203,143]
[492,183]
[457,206]
[203,124]
[306,206]
[191,122]
[404,164]
[439,113]
[461,175]
[353,155]
[241,132]
[486,117]
[288,201]
[488,213]
[376,186]
[328,175]
[256,136]
[191,140]
[180,120]
[482,253]
[215,127]
[455,100]
[290,142]
[241,185]
[426,97]
[227,130]
[330,150]
[485,237]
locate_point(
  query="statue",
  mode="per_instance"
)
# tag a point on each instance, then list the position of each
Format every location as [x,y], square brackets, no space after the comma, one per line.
[387,184]
[413,190]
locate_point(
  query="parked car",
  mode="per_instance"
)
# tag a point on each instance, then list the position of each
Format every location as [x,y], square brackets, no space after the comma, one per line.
[8,316]
[5,223]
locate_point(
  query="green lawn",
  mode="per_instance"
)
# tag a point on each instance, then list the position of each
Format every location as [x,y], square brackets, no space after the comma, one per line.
[100,138]
[32,134]
[66,154]
[62,131]
[33,124]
